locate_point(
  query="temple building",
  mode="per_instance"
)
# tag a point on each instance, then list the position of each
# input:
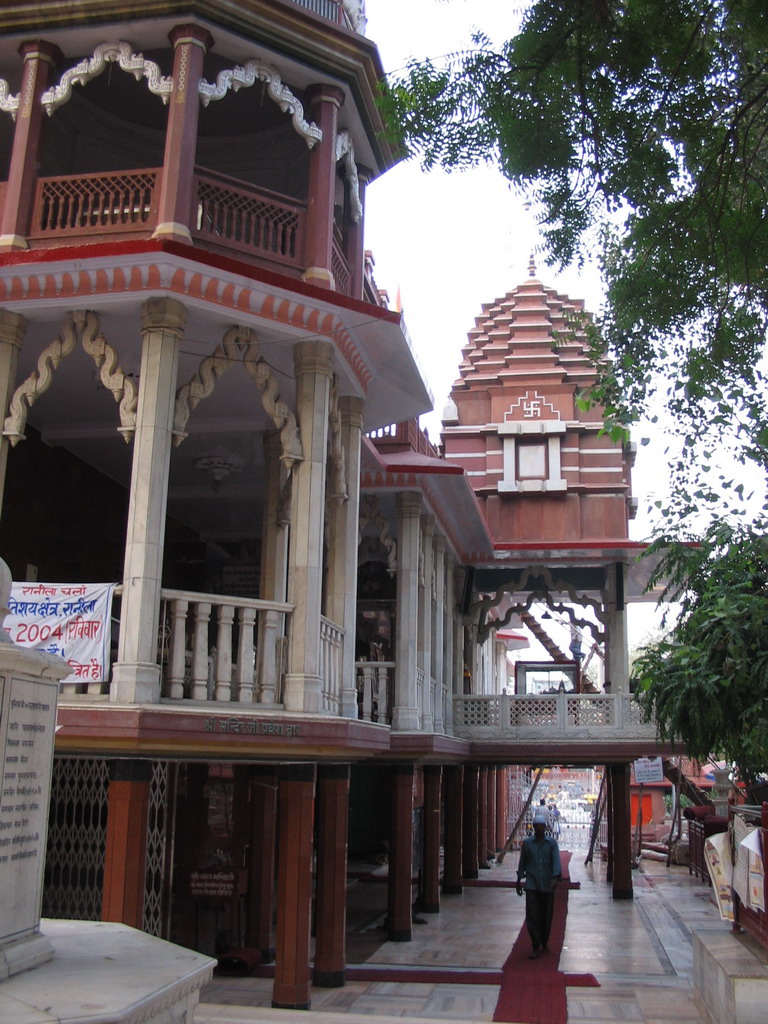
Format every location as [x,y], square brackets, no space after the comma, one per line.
[296,609]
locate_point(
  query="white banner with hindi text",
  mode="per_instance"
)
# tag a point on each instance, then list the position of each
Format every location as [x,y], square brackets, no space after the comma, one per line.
[68,619]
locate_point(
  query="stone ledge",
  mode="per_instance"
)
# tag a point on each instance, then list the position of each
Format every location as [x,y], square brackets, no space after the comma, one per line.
[730,977]
[105,973]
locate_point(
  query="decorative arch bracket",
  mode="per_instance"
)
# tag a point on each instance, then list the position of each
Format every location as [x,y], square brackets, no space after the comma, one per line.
[120,53]
[256,71]
[345,151]
[282,417]
[9,104]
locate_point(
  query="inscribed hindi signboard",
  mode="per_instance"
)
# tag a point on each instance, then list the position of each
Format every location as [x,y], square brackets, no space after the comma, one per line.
[648,769]
[68,619]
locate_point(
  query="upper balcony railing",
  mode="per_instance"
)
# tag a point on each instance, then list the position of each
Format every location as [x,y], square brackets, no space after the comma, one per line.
[560,716]
[213,648]
[223,649]
[233,215]
[78,204]
[330,9]
[228,216]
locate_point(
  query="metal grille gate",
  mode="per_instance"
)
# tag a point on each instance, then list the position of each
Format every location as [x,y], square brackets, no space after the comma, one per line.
[77,831]
[159,831]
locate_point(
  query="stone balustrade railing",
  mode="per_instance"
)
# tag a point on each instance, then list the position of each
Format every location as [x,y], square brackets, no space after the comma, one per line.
[221,648]
[375,683]
[561,716]
[331,650]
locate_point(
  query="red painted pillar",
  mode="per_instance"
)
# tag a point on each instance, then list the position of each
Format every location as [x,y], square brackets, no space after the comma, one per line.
[399,894]
[433,780]
[491,834]
[622,833]
[190,43]
[482,818]
[502,790]
[470,833]
[125,857]
[331,885]
[261,879]
[40,60]
[454,825]
[323,103]
[609,822]
[296,801]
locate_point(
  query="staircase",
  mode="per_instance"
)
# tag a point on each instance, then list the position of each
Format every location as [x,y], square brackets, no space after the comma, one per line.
[676,777]
[546,641]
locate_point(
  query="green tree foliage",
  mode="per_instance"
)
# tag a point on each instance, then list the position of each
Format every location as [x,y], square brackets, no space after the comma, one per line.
[639,128]
[707,680]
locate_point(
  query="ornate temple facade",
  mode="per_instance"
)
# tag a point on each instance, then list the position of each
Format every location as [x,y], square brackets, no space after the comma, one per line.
[209,408]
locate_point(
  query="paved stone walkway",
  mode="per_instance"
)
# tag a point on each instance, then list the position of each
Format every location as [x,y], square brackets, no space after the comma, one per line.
[640,951]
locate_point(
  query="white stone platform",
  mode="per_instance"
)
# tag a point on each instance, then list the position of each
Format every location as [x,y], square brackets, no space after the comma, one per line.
[106,974]
[730,978]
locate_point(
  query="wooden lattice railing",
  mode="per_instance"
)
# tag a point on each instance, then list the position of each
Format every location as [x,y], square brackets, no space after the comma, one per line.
[227,215]
[340,269]
[253,221]
[76,204]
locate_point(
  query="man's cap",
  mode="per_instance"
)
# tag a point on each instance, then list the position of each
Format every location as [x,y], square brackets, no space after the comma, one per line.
[540,818]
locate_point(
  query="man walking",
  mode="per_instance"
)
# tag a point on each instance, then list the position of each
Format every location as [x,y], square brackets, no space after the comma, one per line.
[539,864]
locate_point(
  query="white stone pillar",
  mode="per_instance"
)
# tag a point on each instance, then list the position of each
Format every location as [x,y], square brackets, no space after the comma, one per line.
[425,621]
[500,668]
[136,676]
[438,638]
[341,582]
[471,658]
[13,327]
[274,563]
[313,363]
[617,653]
[405,714]
[458,640]
[274,533]
[449,658]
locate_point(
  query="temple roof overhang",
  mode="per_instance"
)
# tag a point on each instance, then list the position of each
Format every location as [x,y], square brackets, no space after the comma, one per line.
[445,489]
[376,360]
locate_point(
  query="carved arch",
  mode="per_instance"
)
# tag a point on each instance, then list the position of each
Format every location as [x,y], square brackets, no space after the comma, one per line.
[239,345]
[202,383]
[120,53]
[123,388]
[256,71]
[370,513]
[539,594]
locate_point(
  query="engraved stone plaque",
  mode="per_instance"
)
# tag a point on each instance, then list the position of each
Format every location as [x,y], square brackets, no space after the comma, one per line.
[27,728]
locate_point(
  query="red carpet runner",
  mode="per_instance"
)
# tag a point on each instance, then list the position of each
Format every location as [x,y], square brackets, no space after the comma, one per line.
[533,991]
